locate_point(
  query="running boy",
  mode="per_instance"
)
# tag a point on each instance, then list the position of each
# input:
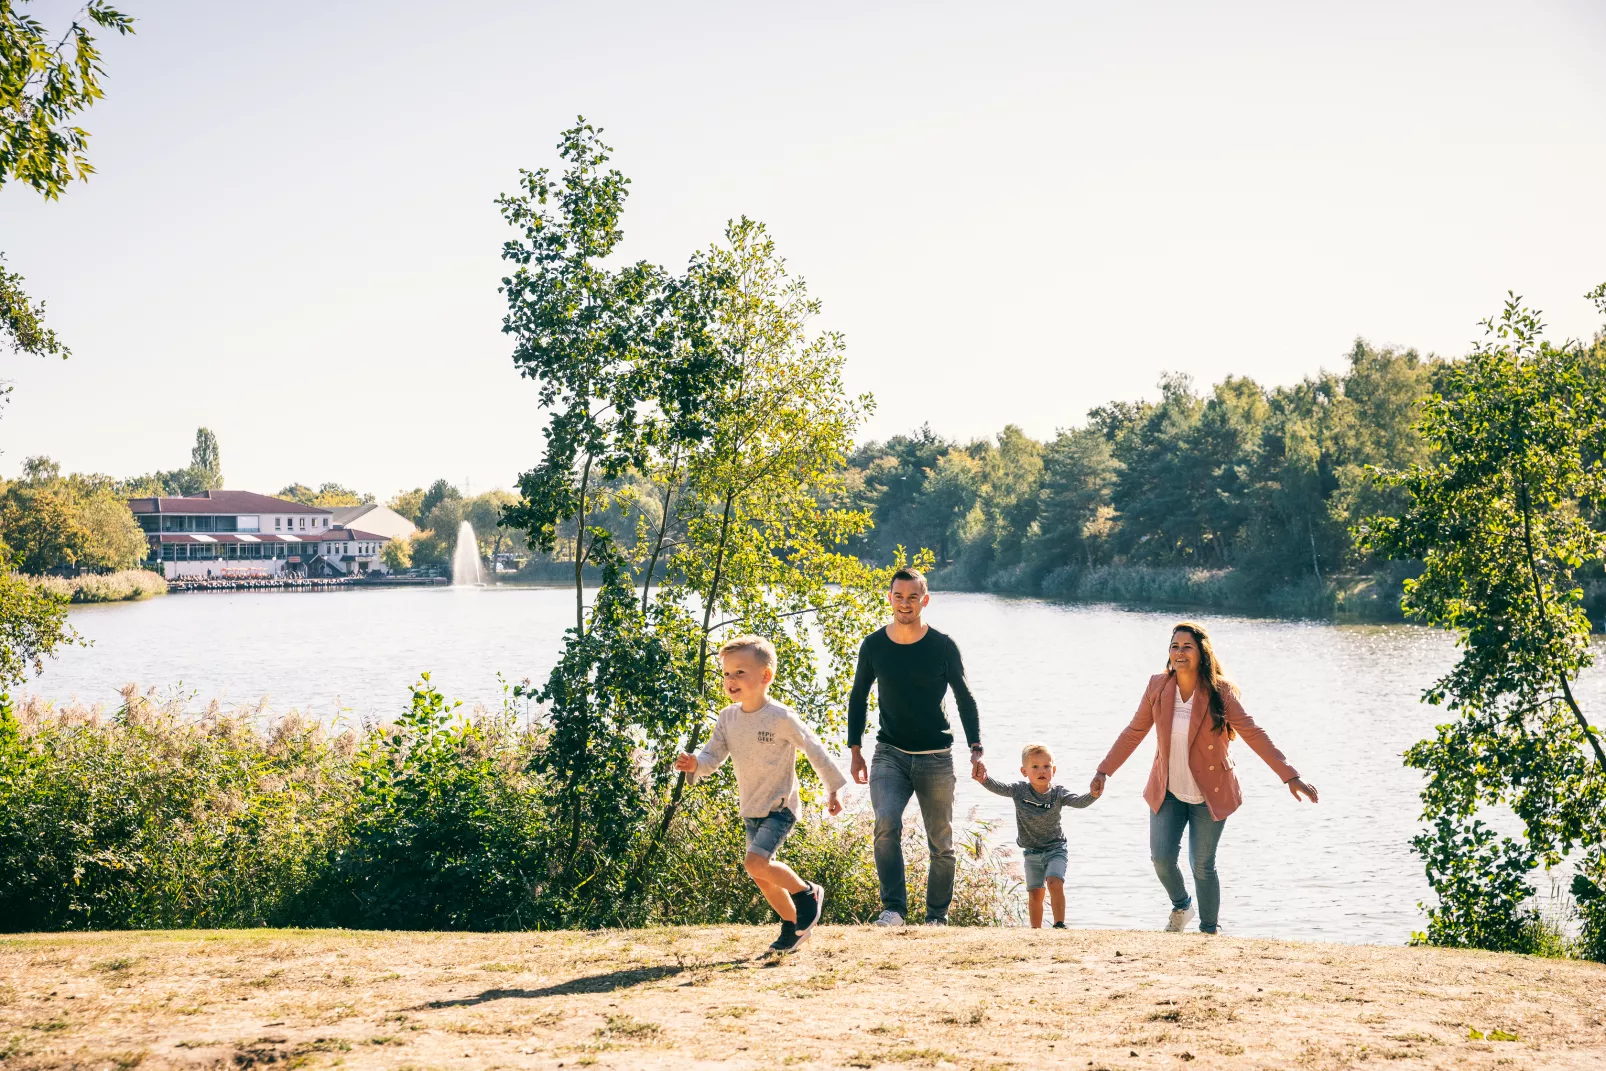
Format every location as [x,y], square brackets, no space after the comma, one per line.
[761,737]
[1038,802]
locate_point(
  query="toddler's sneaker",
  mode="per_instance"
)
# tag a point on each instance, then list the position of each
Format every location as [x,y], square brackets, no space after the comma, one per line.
[1059,925]
[1180,917]
[889,918]
[936,922]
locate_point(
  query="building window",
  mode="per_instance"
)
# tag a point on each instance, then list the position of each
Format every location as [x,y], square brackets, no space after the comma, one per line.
[276,521]
[303,522]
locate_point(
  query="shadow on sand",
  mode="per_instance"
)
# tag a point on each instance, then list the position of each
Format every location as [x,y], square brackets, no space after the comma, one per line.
[594,983]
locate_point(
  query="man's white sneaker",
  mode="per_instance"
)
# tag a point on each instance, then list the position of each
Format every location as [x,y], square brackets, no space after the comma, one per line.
[1180,917]
[889,918]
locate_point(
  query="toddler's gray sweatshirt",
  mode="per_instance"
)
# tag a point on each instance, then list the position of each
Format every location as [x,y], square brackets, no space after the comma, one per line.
[1037,815]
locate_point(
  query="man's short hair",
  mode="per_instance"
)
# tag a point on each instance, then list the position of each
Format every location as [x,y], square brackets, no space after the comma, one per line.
[757,646]
[1035,749]
[908,572]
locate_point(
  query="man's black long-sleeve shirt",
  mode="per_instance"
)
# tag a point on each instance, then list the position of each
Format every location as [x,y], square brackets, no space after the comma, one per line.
[911,680]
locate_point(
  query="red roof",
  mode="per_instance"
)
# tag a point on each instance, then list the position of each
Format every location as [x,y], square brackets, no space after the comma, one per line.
[221,502]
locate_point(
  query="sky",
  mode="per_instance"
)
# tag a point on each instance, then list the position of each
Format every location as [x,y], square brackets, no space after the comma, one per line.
[1014,212]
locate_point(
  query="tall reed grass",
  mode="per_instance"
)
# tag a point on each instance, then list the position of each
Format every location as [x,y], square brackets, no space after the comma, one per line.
[156,815]
[124,586]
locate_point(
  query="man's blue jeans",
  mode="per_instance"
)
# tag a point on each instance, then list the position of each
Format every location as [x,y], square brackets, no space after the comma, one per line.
[1165,845]
[894,777]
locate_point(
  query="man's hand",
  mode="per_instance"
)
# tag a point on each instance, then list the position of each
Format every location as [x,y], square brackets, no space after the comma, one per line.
[978,771]
[833,804]
[856,767]
[686,763]
[1097,785]
[1297,786]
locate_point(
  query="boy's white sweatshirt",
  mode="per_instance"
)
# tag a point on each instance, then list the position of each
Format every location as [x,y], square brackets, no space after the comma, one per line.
[762,745]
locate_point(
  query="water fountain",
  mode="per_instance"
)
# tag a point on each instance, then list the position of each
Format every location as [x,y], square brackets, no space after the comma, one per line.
[466,559]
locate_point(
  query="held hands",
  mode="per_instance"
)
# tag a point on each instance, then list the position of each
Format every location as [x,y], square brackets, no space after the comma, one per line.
[857,769]
[1298,787]
[686,763]
[1096,788]
[978,771]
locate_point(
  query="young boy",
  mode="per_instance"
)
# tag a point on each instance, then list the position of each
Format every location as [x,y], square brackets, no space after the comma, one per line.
[1038,802]
[761,737]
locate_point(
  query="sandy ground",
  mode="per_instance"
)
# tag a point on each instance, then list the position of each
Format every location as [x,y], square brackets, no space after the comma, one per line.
[852,998]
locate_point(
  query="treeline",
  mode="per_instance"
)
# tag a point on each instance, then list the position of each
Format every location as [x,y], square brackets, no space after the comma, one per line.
[1238,497]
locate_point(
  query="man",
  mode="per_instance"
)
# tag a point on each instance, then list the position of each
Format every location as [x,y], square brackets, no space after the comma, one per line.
[913,666]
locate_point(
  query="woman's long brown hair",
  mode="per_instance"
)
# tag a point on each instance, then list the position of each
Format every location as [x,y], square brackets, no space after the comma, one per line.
[1211,675]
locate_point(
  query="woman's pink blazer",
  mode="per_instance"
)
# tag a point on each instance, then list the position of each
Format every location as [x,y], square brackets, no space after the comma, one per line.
[1207,749]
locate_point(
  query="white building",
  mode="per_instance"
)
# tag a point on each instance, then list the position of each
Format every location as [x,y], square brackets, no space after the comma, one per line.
[242,534]
[374,518]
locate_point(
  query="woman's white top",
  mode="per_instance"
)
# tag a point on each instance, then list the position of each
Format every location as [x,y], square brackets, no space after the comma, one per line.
[1182,785]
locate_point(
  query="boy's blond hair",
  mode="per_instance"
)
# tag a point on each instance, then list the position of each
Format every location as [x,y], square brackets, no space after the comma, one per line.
[1035,749]
[758,646]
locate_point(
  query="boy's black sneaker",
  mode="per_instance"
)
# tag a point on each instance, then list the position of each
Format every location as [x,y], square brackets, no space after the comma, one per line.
[1059,925]
[809,903]
[788,939]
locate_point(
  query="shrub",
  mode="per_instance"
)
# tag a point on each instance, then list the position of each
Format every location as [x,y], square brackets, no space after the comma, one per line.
[444,833]
[154,818]
[122,586]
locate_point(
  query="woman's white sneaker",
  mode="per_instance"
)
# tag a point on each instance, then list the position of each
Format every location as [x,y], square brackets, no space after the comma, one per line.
[889,918]
[1180,917]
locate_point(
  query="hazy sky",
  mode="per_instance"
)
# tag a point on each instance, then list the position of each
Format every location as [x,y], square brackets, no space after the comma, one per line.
[1013,211]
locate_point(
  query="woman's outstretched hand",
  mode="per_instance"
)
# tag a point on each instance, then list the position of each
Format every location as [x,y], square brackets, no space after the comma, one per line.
[1299,788]
[1096,787]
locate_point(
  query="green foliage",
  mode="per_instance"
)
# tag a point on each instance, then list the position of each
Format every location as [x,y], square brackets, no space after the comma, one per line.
[159,817]
[327,496]
[446,825]
[1258,487]
[204,473]
[33,623]
[53,523]
[22,323]
[1500,519]
[616,698]
[154,819]
[42,87]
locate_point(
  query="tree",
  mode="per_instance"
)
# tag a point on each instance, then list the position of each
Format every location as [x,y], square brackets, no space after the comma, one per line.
[761,553]
[42,88]
[438,492]
[614,353]
[484,513]
[53,523]
[1498,517]
[1078,473]
[206,461]
[397,554]
[409,504]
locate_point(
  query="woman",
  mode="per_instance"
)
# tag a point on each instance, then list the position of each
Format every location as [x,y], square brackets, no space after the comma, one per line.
[1192,784]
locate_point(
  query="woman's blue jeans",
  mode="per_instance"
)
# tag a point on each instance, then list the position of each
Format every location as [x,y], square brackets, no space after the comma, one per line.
[1165,845]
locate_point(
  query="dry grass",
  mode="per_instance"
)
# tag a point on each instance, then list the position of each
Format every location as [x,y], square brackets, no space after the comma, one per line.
[957,998]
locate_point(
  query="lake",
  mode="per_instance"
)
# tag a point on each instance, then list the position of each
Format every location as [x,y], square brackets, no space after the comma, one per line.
[1340,701]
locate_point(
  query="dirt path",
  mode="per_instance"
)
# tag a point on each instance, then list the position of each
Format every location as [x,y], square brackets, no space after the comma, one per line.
[855,998]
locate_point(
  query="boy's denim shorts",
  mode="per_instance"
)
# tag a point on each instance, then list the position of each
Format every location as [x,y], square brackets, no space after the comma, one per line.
[764,835]
[1042,864]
